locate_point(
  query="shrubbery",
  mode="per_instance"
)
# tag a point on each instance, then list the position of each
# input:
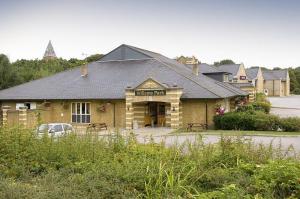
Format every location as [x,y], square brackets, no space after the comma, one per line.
[255,117]
[290,124]
[248,119]
[260,104]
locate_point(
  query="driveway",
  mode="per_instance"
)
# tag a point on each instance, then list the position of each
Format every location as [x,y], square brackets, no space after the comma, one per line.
[284,142]
[286,106]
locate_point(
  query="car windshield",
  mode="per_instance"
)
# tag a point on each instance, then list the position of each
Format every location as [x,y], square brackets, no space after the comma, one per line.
[43,128]
[56,128]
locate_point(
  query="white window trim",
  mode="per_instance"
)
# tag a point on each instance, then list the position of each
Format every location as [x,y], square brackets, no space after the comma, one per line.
[90,114]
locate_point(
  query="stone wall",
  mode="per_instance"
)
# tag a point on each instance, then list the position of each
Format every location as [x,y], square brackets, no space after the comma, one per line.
[274,87]
[60,111]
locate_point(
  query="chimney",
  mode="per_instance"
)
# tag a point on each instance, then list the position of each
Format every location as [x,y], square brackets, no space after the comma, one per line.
[84,70]
[195,64]
[195,69]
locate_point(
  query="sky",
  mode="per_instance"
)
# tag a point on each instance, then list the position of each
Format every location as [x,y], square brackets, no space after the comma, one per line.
[254,32]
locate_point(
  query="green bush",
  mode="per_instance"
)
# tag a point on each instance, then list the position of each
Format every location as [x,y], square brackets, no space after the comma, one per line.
[281,176]
[290,124]
[296,91]
[256,106]
[262,106]
[247,120]
[244,108]
[261,97]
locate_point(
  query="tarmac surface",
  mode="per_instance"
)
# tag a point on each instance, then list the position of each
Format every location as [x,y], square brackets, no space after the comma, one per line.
[286,106]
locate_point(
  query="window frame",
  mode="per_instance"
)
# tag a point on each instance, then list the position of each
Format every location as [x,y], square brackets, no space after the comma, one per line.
[243,77]
[80,114]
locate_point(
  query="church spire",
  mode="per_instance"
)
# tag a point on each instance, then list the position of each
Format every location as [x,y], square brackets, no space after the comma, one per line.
[49,53]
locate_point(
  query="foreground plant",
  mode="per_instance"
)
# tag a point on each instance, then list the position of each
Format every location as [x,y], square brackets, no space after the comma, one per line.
[119,167]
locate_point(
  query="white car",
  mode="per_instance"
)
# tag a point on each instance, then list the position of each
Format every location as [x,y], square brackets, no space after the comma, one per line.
[55,129]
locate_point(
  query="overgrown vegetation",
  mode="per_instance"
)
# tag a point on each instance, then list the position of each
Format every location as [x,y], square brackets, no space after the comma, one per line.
[116,167]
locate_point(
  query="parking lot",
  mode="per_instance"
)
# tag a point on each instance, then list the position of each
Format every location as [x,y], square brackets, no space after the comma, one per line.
[286,106]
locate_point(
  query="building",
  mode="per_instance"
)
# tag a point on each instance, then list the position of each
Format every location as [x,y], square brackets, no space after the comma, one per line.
[210,71]
[127,88]
[237,72]
[255,76]
[276,82]
[214,72]
[49,52]
[238,78]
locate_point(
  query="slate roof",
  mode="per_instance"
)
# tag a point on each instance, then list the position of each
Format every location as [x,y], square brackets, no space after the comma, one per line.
[110,76]
[207,69]
[242,85]
[252,73]
[230,68]
[275,74]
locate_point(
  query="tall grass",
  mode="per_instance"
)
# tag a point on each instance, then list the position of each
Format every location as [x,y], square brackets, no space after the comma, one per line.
[119,167]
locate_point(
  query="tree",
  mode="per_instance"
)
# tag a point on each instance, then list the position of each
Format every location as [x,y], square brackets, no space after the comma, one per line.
[7,73]
[224,62]
[293,80]
[94,57]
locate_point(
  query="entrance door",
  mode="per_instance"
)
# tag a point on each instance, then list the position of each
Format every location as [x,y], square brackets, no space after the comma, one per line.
[161,114]
[153,113]
[156,115]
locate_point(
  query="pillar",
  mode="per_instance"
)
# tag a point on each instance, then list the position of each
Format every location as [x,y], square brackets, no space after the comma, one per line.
[175,115]
[129,109]
[5,109]
[23,116]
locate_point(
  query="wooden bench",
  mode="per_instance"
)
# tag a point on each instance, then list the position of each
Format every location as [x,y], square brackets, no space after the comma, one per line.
[97,126]
[190,126]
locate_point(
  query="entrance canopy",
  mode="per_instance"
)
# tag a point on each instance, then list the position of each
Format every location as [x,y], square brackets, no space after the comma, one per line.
[153,91]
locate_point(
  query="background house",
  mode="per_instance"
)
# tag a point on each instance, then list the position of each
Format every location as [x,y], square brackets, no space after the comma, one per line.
[276,82]
[214,72]
[255,76]
[237,72]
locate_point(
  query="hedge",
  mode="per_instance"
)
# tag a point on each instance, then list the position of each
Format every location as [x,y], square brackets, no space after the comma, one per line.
[255,121]
[290,124]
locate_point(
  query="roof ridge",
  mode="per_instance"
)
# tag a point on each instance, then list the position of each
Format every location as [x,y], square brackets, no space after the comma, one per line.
[188,77]
[141,50]
[214,67]
[150,58]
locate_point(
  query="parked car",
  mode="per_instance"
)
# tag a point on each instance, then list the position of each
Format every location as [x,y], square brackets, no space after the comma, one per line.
[55,129]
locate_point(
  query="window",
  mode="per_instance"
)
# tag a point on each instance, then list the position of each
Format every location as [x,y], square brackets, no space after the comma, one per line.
[57,128]
[243,77]
[81,112]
